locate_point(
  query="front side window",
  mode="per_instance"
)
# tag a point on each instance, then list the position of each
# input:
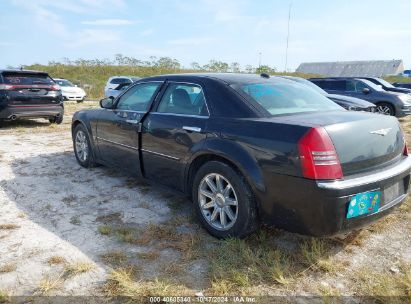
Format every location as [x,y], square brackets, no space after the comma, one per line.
[279,98]
[185,99]
[138,97]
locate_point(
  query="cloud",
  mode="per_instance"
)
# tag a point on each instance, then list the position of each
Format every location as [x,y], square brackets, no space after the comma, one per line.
[93,37]
[109,22]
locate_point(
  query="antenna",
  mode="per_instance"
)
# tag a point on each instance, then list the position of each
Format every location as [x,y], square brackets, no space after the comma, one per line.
[288,36]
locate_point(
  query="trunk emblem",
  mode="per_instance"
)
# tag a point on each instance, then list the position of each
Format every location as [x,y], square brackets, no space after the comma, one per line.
[381,132]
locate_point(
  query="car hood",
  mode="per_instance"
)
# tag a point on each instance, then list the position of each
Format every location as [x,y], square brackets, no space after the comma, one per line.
[399,90]
[350,101]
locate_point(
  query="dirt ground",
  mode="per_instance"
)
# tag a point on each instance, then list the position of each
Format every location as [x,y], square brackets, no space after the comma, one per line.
[66,230]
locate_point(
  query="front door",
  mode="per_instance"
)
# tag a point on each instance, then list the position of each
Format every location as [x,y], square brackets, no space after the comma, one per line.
[173,131]
[118,136]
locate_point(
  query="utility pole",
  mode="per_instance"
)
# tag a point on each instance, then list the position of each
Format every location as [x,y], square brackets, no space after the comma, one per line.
[288,36]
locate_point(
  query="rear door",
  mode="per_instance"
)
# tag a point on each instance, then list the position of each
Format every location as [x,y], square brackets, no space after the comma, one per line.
[31,89]
[118,136]
[172,131]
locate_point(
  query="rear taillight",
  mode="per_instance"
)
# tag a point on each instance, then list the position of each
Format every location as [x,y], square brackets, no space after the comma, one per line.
[405,152]
[6,87]
[319,160]
[55,87]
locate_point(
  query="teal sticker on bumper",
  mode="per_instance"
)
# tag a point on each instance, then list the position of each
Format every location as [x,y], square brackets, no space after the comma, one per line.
[364,203]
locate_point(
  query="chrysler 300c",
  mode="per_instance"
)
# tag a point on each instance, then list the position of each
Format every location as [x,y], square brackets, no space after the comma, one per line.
[251,150]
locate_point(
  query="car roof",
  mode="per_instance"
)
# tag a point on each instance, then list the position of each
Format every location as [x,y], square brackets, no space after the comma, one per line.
[228,78]
[23,71]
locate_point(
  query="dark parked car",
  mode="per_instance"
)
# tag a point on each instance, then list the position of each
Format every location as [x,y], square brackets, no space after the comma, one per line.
[250,150]
[406,85]
[386,85]
[29,94]
[388,103]
[347,102]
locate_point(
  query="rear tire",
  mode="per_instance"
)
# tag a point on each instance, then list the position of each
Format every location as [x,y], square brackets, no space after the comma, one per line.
[385,109]
[223,201]
[57,119]
[82,147]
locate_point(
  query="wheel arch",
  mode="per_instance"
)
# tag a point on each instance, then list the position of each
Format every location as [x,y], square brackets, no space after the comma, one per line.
[231,154]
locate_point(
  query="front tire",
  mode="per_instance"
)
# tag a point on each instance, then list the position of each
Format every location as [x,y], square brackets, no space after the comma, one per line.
[385,108]
[223,201]
[80,101]
[82,147]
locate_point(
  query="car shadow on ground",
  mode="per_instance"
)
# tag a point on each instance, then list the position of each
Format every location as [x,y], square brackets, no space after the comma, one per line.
[116,221]
[24,123]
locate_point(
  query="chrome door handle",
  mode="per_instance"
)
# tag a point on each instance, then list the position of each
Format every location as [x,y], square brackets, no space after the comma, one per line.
[192,129]
[132,121]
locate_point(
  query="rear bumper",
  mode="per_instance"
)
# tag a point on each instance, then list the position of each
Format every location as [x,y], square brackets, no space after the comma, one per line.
[33,111]
[73,96]
[319,208]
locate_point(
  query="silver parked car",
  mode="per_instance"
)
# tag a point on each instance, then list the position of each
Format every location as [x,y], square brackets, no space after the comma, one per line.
[117,84]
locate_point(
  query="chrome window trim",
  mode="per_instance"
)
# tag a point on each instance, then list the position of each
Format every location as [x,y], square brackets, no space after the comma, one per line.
[160,154]
[190,115]
[180,115]
[117,143]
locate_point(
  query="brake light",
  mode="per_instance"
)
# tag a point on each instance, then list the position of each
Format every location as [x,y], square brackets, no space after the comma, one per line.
[319,159]
[405,152]
[55,87]
[6,87]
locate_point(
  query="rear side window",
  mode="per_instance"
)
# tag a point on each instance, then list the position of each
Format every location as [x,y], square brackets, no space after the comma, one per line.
[338,85]
[120,80]
[279,98]
[185,99]
[27,79]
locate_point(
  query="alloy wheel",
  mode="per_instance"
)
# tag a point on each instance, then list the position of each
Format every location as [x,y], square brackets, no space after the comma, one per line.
[81,146]
[218,201]
[383,109]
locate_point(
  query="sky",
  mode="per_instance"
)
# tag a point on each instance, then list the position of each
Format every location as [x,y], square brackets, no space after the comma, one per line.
[39,31]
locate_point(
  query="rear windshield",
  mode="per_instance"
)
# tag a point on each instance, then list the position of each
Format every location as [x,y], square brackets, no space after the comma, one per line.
[27,79]
[279,98]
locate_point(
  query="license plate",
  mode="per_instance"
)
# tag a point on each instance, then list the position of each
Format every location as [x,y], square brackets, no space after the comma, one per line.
[364,203]
[392,192]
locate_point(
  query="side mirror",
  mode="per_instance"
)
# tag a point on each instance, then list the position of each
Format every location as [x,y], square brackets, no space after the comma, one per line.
[366,91]
[107,103]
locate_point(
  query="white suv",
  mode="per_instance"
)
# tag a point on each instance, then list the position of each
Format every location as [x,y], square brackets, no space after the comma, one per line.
[116,84]
[70,91]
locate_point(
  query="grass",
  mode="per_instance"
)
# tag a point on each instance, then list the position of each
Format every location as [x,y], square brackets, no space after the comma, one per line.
[48,284]
[4,296]
[56,260]
[6,268]
[122,282]
[77,268]
[69,199]
[9,226]
[151,255]
[75,220]
[114,258]
[105,230]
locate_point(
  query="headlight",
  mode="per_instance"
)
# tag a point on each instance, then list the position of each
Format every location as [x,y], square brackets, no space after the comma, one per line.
[405,98]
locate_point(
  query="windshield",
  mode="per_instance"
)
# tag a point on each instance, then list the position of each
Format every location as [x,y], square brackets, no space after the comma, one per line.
[385,83]
[287,97]
[373,85]
[64,83]
[308,84]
